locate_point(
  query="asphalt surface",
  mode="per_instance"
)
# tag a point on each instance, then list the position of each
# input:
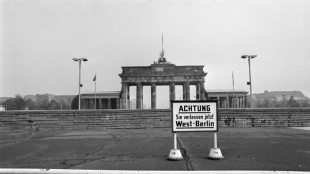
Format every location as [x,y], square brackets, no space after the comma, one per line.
[273,149]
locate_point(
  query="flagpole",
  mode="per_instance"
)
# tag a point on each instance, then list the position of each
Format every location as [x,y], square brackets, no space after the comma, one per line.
[233,82]
[95,94]
[95,79]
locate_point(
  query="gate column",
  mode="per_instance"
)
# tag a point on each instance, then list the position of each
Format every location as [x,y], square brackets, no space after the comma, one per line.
[186,92]
[139,96]
[124,96]
[128,97]
[198,96]
[202,91]
[153,96]
[172,91]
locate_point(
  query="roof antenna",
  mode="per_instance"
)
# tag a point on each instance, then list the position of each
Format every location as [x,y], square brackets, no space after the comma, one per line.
[162,59]
[162,44]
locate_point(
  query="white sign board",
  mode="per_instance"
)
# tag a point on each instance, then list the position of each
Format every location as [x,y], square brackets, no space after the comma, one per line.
[193,116]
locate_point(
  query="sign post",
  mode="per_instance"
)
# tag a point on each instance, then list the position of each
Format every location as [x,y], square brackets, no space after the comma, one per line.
[175,153]
[196,116]
[215,152]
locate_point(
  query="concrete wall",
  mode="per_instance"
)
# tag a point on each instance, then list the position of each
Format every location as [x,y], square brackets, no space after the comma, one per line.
[107,119]
[290,117]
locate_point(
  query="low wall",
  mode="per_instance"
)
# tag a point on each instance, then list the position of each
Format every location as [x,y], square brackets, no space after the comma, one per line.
[287,117]
[161,118]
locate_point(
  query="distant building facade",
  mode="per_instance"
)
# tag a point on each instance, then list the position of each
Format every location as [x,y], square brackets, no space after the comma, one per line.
[44,97]
[104,100]
[229,98]
[278,96]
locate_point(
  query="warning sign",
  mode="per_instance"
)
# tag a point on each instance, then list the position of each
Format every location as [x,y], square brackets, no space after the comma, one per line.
[190,116]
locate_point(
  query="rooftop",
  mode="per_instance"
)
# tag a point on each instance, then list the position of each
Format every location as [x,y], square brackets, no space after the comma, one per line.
[225,90]
[270,94]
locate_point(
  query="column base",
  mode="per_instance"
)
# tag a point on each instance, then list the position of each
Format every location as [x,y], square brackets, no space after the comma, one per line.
[175,155]
[215,154]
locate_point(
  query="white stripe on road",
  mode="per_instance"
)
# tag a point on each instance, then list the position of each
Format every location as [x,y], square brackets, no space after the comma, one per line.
[77,171]
[302,128]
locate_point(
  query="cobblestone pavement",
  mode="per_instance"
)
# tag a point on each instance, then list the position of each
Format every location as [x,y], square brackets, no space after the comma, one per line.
[273,149]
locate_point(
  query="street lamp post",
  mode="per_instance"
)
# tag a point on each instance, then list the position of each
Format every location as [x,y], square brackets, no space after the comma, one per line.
[80,85]
[249,83]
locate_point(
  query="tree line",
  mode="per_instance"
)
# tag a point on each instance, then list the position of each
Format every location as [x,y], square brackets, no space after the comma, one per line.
[19,103]
[291,102]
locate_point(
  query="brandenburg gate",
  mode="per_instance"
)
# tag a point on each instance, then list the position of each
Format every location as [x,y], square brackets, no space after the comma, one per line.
[161,73]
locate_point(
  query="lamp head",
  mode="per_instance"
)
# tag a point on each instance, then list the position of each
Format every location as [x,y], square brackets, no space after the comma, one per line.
[75,59]
[84,59]
[248,56]
[253,56]
[244,56]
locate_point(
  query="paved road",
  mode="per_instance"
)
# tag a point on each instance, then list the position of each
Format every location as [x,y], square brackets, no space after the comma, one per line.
[281,149]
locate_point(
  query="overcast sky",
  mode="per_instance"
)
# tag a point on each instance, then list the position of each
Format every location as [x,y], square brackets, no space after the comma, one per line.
[39,38]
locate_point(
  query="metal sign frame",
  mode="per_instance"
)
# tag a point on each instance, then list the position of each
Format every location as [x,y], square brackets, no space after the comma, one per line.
[194,116]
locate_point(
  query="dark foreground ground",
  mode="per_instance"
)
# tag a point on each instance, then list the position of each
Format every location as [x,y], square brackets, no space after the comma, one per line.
[281,149]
